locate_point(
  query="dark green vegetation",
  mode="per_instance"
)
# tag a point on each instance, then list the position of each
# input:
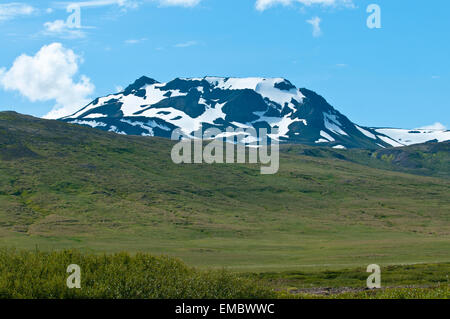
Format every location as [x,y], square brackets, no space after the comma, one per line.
[67,186]
[42,275]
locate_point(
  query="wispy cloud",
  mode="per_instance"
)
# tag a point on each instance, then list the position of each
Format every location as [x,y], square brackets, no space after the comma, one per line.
[100,3]
[186,44]
[315,22]
[181,3]
[262,5]
[135,41]
[60,29]
[131,3]
[12,10]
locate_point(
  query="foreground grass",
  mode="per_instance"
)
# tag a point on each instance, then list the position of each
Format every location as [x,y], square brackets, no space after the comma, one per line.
[27,274]
[42,275]
[438,292]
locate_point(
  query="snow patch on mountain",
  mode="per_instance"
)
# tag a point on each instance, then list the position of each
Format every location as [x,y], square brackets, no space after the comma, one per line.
[114,129]
[331,123]
[89,123]
[94,116]
[185,122]
[366,132]
[327,136]
[416,136]
[390,141]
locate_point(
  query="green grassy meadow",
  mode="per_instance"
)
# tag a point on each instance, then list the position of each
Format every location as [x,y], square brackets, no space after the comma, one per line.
[68,187]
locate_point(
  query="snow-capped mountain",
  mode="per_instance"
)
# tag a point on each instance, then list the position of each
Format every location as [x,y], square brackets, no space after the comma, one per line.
[150,108]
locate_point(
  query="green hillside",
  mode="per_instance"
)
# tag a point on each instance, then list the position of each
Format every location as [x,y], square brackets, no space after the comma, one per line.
[66,186]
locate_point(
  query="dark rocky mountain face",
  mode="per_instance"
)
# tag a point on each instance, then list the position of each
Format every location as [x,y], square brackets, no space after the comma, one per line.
[150,108]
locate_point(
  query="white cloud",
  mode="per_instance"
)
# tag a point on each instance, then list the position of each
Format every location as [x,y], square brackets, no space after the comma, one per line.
[315,22]
[262,5]
[49,75]
[61,29]
[186,44]
[55,26]
[436,126]
[12,10]
[181,3]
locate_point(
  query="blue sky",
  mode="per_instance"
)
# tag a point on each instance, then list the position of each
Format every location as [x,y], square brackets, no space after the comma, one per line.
[396,76]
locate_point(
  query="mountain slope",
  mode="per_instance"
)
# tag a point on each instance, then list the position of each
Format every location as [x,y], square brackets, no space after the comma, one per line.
[64,185]
[150,108]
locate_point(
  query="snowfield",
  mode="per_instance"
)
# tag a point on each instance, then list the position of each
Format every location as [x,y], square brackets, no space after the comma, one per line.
[404,137]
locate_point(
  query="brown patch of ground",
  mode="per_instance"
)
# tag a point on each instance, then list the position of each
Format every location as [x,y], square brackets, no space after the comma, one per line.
[327,291]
